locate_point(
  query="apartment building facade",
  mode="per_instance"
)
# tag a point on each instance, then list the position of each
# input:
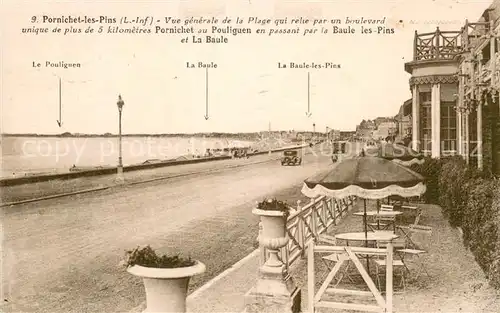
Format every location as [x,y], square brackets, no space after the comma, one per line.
[455,82]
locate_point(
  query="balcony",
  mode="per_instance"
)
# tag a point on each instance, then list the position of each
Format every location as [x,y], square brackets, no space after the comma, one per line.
[474,33]
[439,45]
[495,75]
[447,45]
[485,74]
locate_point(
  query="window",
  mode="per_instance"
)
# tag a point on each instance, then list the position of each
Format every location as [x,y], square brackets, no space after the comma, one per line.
[486,54]
[448,126]
[425,121]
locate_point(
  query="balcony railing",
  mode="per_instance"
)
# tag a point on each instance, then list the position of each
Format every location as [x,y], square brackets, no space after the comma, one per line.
[485,73]
[472,33]
[446,45]
[489,74]
[495,76]
[439,45]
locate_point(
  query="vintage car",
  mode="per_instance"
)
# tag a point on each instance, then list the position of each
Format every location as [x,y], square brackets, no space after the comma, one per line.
[291,157]
[339,147]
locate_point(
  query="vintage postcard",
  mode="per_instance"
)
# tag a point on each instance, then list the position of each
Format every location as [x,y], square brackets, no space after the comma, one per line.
[250,156]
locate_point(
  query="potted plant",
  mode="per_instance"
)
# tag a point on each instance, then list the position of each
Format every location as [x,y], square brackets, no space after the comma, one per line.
[165,278]
[273,273]
[273,215]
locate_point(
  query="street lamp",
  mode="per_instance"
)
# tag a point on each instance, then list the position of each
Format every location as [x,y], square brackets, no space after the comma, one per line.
[314,130]
[119,169]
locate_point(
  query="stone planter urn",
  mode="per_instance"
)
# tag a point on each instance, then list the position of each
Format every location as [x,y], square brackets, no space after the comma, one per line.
[166,288]
[165,278]
[273,236]
[275,290]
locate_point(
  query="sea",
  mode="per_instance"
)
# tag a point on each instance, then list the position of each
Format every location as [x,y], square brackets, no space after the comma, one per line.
[21,156]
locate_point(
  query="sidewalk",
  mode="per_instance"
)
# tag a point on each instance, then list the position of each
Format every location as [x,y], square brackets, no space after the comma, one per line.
[456,282]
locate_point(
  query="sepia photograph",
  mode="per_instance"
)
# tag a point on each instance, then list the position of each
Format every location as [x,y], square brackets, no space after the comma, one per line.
[250,156]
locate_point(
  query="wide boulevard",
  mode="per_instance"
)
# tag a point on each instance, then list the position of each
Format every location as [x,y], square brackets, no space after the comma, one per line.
[62,255]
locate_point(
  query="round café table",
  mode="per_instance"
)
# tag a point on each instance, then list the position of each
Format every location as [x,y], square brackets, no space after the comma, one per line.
[369,236]
[379,213]
[382,214]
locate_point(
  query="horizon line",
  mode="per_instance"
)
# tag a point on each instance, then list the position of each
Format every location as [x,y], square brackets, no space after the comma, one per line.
[161,134]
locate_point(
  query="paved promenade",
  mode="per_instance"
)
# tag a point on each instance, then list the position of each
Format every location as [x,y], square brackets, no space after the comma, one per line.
[62,255]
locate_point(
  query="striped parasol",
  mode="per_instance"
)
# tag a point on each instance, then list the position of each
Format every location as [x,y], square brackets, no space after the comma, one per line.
[397,153]
[365,177]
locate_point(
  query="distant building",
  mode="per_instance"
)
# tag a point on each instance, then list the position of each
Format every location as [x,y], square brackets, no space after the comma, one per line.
[347,135]
[365,129]
[403,120]
[380,120]
[384,130]
[334,134]
[305,135]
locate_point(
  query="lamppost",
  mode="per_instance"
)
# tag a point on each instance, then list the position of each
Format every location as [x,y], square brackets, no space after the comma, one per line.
[119,169]
[314,130]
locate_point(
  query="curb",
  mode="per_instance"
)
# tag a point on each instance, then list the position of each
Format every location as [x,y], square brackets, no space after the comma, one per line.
[193,173]
[125,185]
[54,196]
[228,271]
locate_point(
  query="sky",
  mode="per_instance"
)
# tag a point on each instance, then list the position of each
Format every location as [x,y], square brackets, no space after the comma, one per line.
[247,90]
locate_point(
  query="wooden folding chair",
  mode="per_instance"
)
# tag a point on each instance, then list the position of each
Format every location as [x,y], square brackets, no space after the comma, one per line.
[397,200]
[335,257]
[403,253]
[412,249]
[407,232]
[386,207]
[396,263]
[414,209]
[383,223]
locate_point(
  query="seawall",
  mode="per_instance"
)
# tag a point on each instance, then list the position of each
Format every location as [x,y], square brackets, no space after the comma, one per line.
[111,170]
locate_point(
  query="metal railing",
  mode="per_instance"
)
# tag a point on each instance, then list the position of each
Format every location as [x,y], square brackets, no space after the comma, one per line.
[307,223]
